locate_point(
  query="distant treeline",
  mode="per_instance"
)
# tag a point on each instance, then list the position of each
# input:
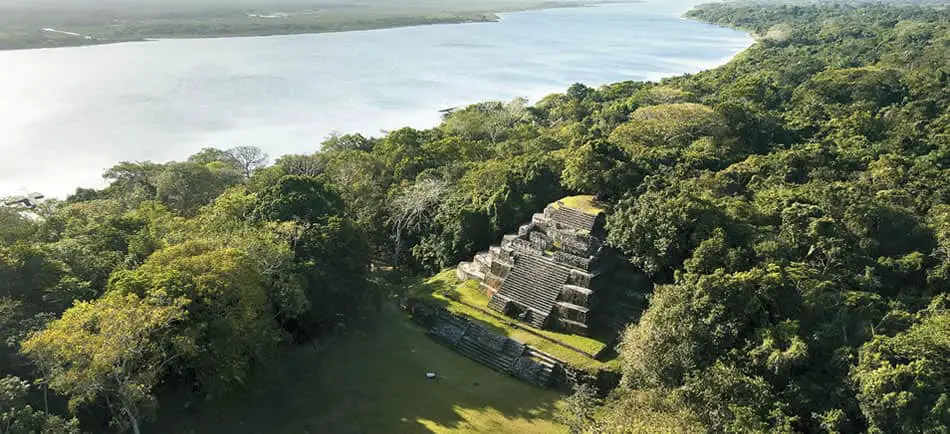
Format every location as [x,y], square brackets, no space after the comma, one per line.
[23,25]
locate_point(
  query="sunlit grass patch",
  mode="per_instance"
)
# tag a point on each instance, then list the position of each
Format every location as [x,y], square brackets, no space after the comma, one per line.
[370,381]
[457,296]
[586,204]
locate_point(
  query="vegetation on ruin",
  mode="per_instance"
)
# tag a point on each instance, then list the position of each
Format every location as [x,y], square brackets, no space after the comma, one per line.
[791,208]
[584,203]
[464,298]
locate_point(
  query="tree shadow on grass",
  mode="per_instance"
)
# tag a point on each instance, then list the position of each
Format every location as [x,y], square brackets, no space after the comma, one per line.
[370,381]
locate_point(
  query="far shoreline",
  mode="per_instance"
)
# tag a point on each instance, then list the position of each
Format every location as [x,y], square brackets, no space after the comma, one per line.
[398,22]
[672,14]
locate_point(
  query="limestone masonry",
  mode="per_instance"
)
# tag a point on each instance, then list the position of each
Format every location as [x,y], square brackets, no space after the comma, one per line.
[547,274]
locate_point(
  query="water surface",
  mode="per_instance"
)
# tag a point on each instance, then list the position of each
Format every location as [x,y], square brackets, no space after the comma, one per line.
[67,114]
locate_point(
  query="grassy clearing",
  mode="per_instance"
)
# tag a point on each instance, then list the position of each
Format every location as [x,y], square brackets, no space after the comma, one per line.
[372,381]
[446,289]
[585,204]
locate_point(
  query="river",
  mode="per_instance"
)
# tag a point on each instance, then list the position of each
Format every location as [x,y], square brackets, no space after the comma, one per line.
[67,114]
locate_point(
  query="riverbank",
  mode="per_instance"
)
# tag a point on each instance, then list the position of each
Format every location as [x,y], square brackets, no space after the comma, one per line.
[29,28]
[165,100]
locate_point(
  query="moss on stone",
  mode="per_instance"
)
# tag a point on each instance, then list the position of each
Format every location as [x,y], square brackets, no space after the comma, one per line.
[585,204]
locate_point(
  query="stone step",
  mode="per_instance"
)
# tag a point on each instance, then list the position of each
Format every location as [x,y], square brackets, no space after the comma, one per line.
[526,293]
[497,303]
[577,289]
[536,283]
[470,346]
[543,375]
[574,219]
[538,321]
[573,306]
[573,325]
[518,289]
[483,259]
[515,348]
[476,353]
[469,271]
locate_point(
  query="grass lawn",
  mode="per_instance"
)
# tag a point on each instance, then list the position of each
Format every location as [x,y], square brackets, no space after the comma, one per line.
[371,381]
[438,286]
[585,204]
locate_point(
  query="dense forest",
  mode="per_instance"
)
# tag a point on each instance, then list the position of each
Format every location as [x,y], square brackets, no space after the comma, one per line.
[792,208]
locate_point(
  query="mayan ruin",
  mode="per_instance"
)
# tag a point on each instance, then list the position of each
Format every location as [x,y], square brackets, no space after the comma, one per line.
[547,275]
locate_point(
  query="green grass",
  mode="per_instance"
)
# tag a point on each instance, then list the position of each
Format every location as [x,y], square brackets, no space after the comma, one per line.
[371,381]
[446,288]
[585,204]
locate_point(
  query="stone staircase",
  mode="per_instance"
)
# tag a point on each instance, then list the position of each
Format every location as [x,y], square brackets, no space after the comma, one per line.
[495,351]
[560,250]
[534,284]
[549,364]
[498,303]
[450,329]
[573,218]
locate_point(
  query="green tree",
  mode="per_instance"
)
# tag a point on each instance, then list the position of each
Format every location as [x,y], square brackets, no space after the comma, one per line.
[333,259]
[132,182]
[14,226]
[578,409]
[659,230]
[111,351]
[489,121]
[185,187]
[669,125]
[230,320]
[903,380]
[18,417]
[301,199]
[91,238]
[645,411]
[602,168]
[212,155]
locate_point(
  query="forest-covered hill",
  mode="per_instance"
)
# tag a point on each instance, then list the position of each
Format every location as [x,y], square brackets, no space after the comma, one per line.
[792,207]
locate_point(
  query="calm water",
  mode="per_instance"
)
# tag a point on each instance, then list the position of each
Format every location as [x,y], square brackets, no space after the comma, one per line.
[68,114]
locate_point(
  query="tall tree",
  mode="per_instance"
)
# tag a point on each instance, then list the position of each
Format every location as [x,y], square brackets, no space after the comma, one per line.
[413,209]
[18,417]
[230,318]
[114,350]
[903,381]
[248,158]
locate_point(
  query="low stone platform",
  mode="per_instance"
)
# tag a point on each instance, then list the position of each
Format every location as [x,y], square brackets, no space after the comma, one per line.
[498,352]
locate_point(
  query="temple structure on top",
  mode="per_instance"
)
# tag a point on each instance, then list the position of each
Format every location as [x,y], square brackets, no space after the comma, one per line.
[549,275]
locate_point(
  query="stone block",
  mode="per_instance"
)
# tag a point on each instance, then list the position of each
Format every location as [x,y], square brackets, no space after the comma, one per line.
[449,331]
[528,370]
[541,240]
[572,260]
[525,247]
[500,269]
[524,230]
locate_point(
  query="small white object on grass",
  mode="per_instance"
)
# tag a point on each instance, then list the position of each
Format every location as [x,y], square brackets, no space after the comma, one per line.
[431,375]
